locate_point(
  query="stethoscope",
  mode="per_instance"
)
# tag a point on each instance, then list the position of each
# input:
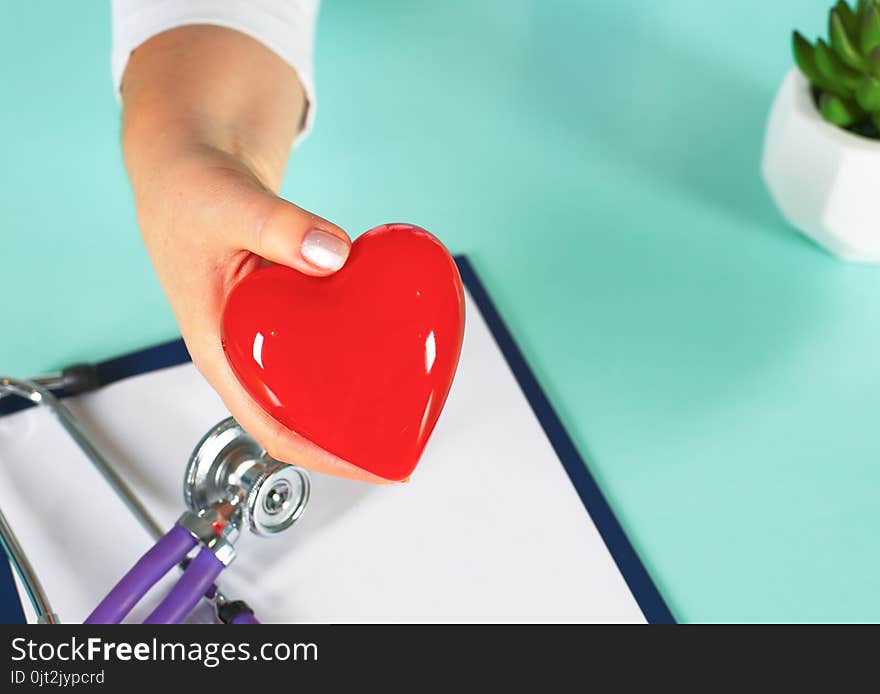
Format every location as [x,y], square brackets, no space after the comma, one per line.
[230,482]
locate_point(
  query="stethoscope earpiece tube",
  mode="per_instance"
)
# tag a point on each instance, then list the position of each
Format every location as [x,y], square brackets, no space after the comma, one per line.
[34,589]
[169,551]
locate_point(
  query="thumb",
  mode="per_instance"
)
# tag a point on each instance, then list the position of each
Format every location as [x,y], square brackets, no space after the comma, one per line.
[284,233]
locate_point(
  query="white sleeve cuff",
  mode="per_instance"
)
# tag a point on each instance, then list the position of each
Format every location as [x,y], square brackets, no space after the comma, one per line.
[287,27]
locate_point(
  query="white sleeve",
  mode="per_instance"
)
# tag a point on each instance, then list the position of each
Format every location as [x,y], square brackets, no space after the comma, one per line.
[285,26]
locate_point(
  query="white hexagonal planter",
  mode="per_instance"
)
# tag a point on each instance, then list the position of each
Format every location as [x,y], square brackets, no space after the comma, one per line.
[825,180]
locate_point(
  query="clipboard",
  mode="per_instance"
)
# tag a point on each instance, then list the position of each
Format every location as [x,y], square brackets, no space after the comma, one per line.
[595,511]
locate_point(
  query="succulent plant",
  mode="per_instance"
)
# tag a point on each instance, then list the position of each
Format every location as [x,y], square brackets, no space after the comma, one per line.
[845,71]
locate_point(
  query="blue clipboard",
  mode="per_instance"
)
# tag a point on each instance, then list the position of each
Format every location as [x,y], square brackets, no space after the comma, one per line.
[628,563]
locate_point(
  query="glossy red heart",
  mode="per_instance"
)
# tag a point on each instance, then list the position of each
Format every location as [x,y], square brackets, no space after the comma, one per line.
[360,362]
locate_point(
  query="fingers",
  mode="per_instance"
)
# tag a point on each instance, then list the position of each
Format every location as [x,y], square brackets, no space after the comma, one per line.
[283,233]
[317,247]
[223,222]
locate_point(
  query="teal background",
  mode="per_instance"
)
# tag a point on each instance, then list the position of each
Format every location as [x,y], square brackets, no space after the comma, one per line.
[598,161]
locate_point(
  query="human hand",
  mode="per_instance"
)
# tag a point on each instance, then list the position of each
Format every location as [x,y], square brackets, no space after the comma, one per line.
[209,115]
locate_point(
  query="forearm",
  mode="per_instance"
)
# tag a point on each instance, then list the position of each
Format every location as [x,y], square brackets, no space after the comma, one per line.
[209,116]
[207,87]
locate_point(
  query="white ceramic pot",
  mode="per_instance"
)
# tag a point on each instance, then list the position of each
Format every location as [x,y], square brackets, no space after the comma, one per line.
[825,180]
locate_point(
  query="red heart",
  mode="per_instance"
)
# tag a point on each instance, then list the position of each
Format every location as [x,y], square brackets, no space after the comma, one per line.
[360,362]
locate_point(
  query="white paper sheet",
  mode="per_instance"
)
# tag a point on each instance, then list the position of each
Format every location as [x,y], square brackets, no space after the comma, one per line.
[489,530]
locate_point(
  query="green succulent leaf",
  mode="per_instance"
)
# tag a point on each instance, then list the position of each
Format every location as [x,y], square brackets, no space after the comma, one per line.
[832,68]
[870,30]
[842,44]
[848,17]
[840,112]
[805,57]
[873,60]
[844,71]
[868,93]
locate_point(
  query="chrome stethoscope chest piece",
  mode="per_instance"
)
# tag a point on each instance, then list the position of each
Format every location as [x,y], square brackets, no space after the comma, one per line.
[228,466]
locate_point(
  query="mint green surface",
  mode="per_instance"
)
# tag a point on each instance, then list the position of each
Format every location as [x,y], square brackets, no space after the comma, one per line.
[598,162]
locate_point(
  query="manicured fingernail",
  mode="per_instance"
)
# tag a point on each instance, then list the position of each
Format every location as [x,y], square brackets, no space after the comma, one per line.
[324,250]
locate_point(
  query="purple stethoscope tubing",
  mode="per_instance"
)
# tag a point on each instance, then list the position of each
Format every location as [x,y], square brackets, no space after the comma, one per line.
[196,580]
[169,551]
[244,617]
